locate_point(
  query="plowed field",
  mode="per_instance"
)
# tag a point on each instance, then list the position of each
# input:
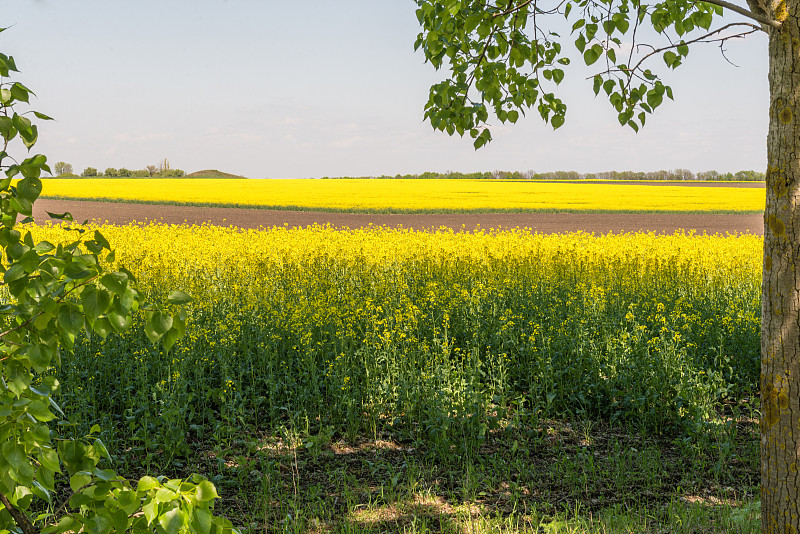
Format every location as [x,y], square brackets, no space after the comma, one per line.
[600,223]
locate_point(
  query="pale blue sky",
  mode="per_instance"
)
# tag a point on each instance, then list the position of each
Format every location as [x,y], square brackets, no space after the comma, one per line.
[279,89]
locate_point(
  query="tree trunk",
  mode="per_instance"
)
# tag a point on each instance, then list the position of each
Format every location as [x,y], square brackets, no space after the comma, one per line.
[780,307]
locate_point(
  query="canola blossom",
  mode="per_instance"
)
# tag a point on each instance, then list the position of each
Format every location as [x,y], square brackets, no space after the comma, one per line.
[432,334]
[365,195]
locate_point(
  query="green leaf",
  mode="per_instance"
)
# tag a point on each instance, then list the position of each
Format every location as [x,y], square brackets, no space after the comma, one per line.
[170,338]
[30,188]
[7,129]
[21,205]
[102,241]
[206,491]
[40,411]
[95,302]
[15,272]
[70,319]
[102,326]
[592,54]
[115,282]
[49,459]
[30,261]
[77,270]
[580,43]
[147,483]
[670,58]
[172,521]
[44,247]
[119,321]
[180,297]
[128,501]
[654,99]
[40,356]
[79,480]
[202,521]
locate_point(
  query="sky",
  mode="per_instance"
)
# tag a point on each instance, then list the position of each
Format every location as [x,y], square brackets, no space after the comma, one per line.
[277,89]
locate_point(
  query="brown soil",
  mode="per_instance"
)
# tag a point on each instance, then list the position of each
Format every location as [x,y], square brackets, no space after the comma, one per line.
[547,223]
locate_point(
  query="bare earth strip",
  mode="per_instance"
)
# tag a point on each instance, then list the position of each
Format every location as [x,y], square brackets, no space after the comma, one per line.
[547,223]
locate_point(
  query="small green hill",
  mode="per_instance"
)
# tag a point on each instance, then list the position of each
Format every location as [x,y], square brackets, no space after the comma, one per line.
[212,173]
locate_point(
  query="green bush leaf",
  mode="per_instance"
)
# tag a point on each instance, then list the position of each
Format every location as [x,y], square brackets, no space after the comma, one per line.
[95,302]
[70,319]
[206,491]
[115,282]
[172,521]
[79,480]
[179,297]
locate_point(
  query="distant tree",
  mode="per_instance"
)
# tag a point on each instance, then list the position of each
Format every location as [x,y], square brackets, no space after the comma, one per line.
[749,176]
[683,174]
[170,173]
[151,170]
[111,171]
[89,171]
[123,172]
[62,167]
[708,175]
[163,165]
[141,173]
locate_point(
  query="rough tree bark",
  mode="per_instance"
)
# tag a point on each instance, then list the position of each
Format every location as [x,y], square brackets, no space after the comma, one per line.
[780,308]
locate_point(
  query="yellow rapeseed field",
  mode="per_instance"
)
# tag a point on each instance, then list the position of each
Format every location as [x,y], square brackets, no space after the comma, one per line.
[415,195]
[365,328]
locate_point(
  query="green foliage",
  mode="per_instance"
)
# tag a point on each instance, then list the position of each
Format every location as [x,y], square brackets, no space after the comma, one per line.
[61,168]
[88,172]
[170,173]
[53,293]
[111,172]
[123,172]
[503,56]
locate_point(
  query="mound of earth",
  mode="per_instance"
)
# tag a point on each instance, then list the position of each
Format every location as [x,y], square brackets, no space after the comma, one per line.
[212,173]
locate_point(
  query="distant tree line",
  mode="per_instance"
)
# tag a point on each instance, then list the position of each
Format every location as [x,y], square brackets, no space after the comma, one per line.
[162,170]
[666,175]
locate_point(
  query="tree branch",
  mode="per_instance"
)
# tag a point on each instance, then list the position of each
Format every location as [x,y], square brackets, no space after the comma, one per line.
[19,516]
[702,38]
[512,9]
[746,13]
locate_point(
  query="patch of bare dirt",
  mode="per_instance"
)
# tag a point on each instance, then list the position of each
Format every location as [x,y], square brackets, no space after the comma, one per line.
[546,223]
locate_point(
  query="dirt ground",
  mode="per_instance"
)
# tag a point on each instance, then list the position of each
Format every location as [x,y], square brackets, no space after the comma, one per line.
[547,223]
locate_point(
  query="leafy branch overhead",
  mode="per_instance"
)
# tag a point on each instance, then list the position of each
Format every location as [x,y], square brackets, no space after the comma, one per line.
[505,56]
[52,293]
